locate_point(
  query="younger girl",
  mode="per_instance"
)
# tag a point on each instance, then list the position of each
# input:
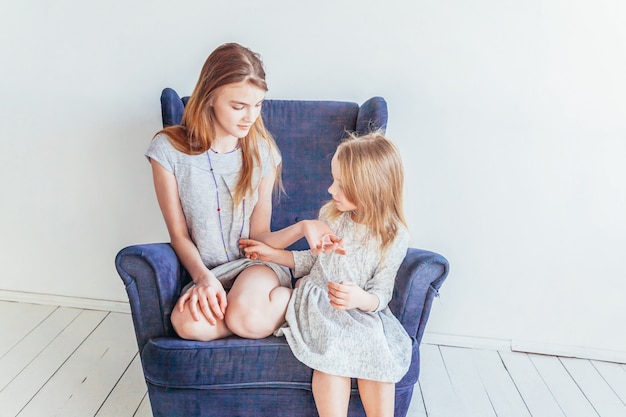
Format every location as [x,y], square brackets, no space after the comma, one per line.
[338,321]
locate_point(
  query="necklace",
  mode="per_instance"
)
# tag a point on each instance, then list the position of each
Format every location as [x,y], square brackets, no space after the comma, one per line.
[219,211]
[234,149]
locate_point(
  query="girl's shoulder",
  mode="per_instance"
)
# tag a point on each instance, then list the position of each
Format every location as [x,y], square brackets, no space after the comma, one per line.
[163,151]
[403,232]
[267,150]
[334,222]
[162,142]
[269,155]
[401,241]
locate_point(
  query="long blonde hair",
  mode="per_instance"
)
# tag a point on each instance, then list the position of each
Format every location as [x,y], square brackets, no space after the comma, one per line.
[229,63]
[372,177]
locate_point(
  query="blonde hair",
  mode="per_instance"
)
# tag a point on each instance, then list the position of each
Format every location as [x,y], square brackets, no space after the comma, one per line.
[372,177]
[228,64]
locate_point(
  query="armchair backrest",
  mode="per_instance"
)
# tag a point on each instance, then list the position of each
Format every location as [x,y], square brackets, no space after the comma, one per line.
[307,133]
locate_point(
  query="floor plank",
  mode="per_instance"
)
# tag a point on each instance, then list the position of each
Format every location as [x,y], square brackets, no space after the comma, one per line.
[537,396]
[18,394]
[417,408]
[80,387]
[29,347]
[615,375]
[466,382]
[127,394]
[144,409]
[595,388]
[561,385]
[439,396]
[501,389]
[13,330]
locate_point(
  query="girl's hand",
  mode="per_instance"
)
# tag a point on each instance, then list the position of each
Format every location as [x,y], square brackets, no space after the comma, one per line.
[346,295]
[255,250]
[260,251]
[321,237]
[207,299]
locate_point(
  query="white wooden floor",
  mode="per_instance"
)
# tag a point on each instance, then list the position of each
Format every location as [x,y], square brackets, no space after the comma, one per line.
[59,361]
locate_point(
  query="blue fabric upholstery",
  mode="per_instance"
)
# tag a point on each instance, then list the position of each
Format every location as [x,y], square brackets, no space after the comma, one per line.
[241,377]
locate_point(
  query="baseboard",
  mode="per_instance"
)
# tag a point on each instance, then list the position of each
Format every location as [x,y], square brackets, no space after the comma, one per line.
[581,352]
[524,346]
[61,300]
[443,339]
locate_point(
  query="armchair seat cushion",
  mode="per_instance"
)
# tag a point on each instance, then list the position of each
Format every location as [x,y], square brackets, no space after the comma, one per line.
[232,362]
[229,363]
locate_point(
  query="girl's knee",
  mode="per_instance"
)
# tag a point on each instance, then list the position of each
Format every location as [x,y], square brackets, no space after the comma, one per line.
[179,319]
[259,317]
[279,298]
[256,303]
[184,325]
[188,328]
[248,322]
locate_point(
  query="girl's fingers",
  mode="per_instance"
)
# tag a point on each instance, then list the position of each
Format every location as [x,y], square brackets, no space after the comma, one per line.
[338,287]
[222,300]
[317,249]
[193,308]
[213,308]
[340,250]
[181,301]
[206,311]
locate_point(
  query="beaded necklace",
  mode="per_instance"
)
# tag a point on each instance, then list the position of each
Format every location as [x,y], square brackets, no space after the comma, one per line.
[219,209]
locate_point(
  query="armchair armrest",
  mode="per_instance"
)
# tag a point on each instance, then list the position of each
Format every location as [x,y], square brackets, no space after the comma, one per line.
[417,283]
[153,278]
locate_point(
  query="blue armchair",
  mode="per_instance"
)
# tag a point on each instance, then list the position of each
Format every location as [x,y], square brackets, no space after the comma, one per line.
[241,377]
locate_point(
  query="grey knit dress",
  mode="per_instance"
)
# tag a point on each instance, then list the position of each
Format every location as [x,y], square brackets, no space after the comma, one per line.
[350,343]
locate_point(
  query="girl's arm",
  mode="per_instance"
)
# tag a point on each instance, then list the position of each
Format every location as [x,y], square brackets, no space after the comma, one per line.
[312,230]
[347,295]
[384,278]
[208,292]
[378,289]
[258,250]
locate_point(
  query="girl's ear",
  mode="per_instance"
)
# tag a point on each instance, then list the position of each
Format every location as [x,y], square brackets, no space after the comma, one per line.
[208,106]
[209,100]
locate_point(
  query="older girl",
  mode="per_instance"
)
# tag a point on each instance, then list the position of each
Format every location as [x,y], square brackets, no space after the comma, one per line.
[214,176]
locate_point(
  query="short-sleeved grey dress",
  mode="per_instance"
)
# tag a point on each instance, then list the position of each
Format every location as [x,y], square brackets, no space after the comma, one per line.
[216,236]
[350,343]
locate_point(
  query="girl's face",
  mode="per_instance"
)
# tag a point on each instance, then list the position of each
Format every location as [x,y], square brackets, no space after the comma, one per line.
[236,108]
[336,188]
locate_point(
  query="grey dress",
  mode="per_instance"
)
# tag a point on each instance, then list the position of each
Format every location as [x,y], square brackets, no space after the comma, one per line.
[216,236]
[350,343]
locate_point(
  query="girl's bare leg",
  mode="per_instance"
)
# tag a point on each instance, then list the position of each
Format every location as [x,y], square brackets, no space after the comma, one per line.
[331,394]
[256,303]
[378,398]
[187,328]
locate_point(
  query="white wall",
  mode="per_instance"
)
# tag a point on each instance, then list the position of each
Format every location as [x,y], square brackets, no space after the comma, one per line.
[511,116]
